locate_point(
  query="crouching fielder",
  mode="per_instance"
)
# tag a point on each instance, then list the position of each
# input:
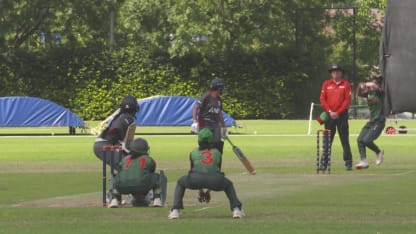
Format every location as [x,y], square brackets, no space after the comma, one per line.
[205,173]
[137,177]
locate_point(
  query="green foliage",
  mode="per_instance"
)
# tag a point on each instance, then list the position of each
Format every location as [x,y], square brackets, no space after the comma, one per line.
[272,54]
[127,74]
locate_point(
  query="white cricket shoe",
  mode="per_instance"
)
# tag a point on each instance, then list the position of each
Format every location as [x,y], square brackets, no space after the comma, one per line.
[174,214]
[380,157]
[157,202]
[238,213]
[113,203]
[363,164]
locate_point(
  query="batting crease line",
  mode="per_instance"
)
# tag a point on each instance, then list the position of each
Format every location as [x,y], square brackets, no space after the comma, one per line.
[204,208]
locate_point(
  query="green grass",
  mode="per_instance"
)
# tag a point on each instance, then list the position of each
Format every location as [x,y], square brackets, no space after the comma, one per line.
[51,184]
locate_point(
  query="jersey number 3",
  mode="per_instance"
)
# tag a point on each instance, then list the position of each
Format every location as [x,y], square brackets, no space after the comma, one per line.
[207,160]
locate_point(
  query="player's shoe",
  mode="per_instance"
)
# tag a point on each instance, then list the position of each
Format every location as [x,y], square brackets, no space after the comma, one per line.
[363,164]
[238,213]
[113,203]
[348,165]
[174,214]
[157,202]
[380,157]
[323,167]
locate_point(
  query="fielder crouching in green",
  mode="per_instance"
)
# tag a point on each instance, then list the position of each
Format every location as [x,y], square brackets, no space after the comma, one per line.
[205,173]
[137,177]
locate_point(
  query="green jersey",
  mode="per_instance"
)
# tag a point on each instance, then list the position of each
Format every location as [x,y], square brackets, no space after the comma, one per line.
[375,105]
[135,171]
[205,161]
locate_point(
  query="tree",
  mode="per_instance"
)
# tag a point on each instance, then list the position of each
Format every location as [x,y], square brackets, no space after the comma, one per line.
[276,51]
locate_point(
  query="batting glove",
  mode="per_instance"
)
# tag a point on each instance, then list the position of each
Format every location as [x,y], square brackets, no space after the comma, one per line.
[195,127]
[124,148]
[224,132]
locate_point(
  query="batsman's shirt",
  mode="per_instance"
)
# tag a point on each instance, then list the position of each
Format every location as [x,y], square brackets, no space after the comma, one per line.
[209,111]
[336,96]
[117,128]
[205,161]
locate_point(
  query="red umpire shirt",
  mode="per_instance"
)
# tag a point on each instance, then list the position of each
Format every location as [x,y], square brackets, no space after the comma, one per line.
[336,96]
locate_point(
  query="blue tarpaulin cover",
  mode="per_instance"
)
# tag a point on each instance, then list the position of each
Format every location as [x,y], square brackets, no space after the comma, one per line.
[170,111]
[35,112]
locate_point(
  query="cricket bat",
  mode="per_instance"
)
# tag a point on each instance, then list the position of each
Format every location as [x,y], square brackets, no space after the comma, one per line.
[128,138]
[240,155]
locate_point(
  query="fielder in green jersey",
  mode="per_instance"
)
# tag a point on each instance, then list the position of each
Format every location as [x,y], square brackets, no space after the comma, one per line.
[374,127]
[205,173]
[137,177]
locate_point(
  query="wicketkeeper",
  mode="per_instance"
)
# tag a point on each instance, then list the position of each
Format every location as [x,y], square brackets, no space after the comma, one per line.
[335,100]
[137,177]
[205,173]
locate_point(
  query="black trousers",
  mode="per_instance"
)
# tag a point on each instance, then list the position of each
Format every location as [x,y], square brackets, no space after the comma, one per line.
[341,124]
[211,181]
[370,132]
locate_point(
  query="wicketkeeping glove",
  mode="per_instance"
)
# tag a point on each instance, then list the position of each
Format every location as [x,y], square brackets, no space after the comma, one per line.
[207,196]
[204,196]
[201,196]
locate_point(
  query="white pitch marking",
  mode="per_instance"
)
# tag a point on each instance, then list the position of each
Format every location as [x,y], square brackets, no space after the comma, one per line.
[204,208]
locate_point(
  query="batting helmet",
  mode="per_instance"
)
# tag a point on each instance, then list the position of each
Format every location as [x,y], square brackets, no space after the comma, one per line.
[129,104]
[217,84]
[335,67]
[139,146]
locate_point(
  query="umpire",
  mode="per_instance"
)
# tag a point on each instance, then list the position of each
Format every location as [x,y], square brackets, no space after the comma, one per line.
[335,100]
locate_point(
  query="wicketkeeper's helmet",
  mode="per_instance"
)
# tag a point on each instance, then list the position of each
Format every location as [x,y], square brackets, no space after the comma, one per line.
[130,105]
[217,84]
[139,147]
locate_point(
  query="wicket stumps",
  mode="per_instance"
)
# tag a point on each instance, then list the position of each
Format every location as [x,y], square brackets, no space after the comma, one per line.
[323,152]
[111,151]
